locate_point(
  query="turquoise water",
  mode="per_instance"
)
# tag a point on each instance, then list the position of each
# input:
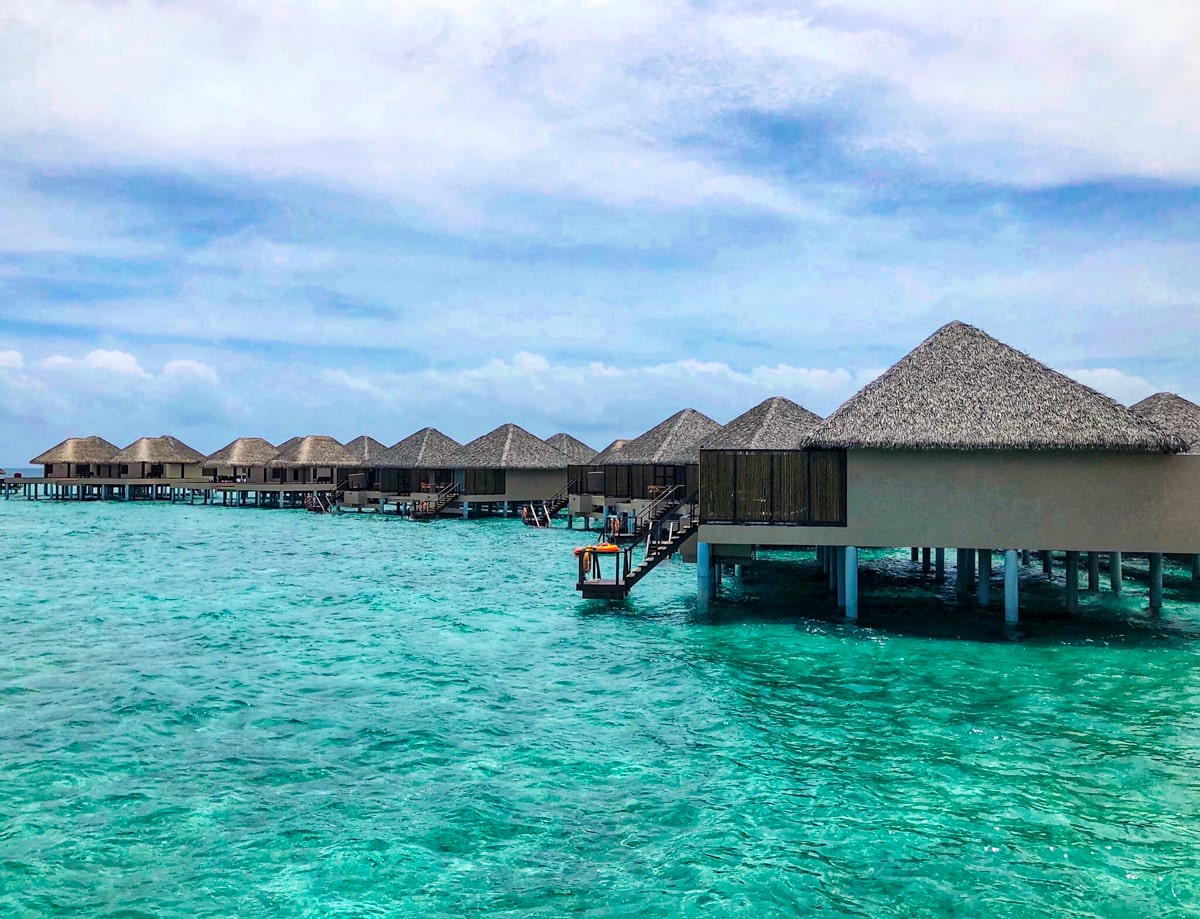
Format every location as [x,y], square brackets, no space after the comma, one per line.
[222,712]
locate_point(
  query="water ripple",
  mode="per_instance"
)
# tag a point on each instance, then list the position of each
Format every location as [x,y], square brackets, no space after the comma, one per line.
[215,712]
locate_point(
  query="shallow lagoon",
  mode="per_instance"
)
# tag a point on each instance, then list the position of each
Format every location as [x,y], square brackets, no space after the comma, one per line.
[214,712]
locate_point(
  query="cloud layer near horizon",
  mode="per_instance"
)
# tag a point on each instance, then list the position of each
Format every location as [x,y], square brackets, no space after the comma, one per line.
[329,213]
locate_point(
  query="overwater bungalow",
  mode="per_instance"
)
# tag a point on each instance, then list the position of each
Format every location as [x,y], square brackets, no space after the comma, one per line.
[1174,414]
[241,460]
[664,459]
[508,465]
[367,451]
[754,470]
[421,464]
[164,457]
[970,443]
[316,459]
[586,485]
[79,457]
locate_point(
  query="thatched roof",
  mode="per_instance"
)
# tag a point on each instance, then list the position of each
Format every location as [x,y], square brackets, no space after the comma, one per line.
[961,389]
[366,450]
[576,452]
[776,424]
[674,441]
[604,457]
[1175,415]
[163,449]
[245,451]
[428,448]
[85,450]
[313,450]
[508,447]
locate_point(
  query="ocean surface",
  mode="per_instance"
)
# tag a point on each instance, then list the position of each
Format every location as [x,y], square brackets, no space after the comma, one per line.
[240,712]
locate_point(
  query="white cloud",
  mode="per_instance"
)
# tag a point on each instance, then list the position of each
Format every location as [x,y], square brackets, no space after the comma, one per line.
[11,360]
[188,370]
[99,361]
[448,103]
[542,394]
[1123,387]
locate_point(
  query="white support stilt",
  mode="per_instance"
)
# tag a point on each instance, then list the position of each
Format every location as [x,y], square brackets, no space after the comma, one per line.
[737,572]
[1115,571]
[1093,571]
[984,581]
[704,575]
[466,509]
[1156,581]
[939,564]
[1010,586]
[1072,582]
[840,564]
[851,568]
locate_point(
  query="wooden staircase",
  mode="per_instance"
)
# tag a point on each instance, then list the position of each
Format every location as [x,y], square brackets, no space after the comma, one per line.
[662,536]
[626,576]
[429,509]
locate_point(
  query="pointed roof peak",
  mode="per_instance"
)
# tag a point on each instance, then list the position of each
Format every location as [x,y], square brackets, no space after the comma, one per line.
[161,449]
[1174,414]
[427,448]
[776,423]
[244,451]
[313,450]
[674,440]
[574,449]
[962,389]
[365,449]
[509,447]
[90,449]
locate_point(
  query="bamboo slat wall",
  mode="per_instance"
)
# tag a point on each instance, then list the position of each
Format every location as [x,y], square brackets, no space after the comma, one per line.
[484,481]
[647,481]
[798,488]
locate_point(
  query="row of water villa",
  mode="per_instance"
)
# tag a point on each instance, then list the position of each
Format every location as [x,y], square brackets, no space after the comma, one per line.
[965,442]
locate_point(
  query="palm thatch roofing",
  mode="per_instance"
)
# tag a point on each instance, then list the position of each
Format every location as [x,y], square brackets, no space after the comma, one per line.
[961,389]
[245,451]
[312,450]
[508,447]
[576,452]
[1175,415]
[88,450]
[427,448]
[604,457]
[366,450]
[774,424]
[671,442]
[163,449]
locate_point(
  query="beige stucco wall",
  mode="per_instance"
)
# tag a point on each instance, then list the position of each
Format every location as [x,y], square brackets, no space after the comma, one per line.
[1086,502]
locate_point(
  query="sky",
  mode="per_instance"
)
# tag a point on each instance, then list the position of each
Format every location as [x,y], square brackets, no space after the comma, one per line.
[221,219]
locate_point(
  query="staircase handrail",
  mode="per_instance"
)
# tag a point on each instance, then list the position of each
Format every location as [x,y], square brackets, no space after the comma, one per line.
[649,514]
